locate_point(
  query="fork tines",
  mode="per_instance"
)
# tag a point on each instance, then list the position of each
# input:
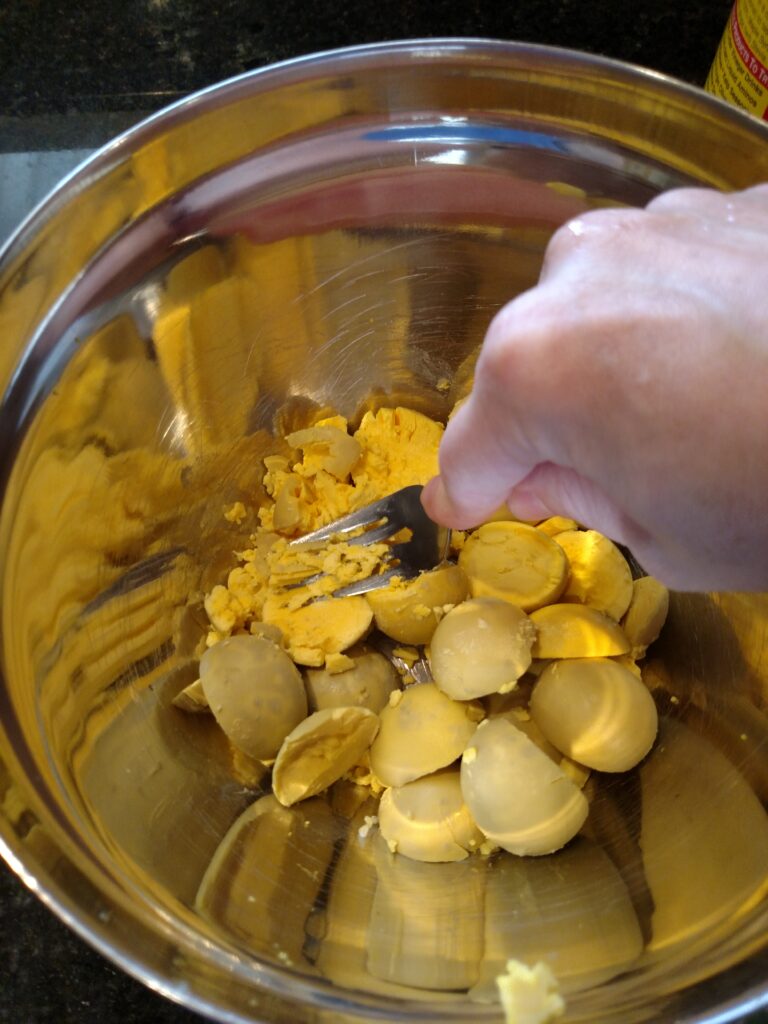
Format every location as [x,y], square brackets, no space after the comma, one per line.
[392,513]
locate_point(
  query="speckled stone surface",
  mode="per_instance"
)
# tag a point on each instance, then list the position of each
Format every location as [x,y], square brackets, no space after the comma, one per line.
[74,75]
[50,976]
[140,54]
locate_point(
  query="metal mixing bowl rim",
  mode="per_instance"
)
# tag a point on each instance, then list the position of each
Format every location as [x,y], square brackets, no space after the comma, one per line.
[54,894]
[282,71]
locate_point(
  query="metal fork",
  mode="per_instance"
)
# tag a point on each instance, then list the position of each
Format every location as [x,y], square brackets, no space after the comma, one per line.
[426,548]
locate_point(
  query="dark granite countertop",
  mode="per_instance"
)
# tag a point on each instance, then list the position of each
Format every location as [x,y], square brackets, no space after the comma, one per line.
[102,55]
[71,77]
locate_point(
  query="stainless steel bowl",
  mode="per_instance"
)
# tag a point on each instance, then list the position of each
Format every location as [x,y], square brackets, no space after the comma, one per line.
[335,231]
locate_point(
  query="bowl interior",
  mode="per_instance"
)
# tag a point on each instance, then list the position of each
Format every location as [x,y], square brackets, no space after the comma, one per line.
[334,234]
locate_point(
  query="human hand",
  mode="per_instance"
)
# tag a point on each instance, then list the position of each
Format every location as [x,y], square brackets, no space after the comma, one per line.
[629,390]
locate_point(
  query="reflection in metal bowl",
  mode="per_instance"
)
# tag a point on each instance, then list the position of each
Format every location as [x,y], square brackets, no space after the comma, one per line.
[336,232]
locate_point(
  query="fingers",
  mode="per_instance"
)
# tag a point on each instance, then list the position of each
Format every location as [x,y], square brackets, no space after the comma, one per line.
[582,236]
[521,413]
[679,213]
[756,196]
[479,462]
[551,490]
[698,201]
[748,208]
[611,374]
[547,490]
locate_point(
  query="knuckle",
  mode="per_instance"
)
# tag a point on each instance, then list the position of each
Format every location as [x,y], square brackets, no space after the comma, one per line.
[590,234]
[691,205]
[758,191]
[679,200]
[756,196]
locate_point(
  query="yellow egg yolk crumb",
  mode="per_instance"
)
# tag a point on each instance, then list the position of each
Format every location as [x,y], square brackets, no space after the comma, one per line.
[529,995]
[339,473]
[329,473]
